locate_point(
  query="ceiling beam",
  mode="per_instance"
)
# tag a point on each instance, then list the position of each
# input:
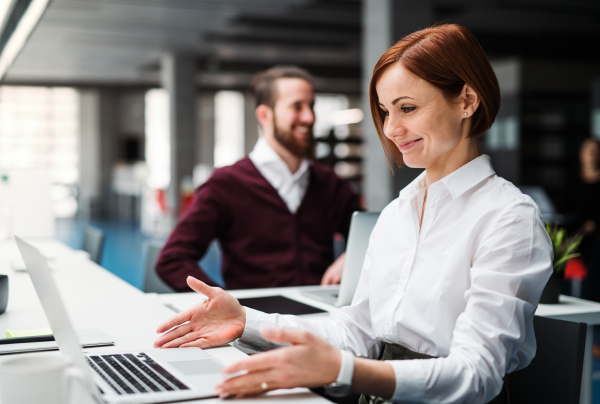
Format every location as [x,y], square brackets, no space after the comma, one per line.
[20,34]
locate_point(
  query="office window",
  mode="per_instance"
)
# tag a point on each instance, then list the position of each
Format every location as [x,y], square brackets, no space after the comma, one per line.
[158,146]
[229,127]
[325,106]
[39,128]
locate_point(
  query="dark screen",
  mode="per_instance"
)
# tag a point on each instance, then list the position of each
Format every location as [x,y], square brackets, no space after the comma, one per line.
[279,304]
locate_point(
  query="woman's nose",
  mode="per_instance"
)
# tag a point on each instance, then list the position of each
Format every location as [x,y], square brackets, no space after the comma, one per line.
[394,128]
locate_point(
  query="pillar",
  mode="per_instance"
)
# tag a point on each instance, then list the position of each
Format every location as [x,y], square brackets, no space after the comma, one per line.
[89,152]
[376,39]
[250,123]
[177,77]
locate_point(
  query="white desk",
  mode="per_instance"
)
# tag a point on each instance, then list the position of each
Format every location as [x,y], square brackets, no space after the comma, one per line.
[570,308]
[95,298]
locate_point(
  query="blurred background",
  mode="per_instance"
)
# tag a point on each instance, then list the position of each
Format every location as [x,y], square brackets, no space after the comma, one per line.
[118,109]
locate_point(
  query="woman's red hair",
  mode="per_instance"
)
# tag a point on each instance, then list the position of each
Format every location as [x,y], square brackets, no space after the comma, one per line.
[448,57]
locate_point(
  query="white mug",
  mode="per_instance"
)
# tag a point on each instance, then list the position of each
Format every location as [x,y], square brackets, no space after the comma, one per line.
[45,378]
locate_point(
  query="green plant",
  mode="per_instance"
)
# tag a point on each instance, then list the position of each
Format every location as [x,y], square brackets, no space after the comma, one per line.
[564,248]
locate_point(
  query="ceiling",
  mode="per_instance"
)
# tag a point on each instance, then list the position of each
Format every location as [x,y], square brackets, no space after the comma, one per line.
[115,42]
[120,42]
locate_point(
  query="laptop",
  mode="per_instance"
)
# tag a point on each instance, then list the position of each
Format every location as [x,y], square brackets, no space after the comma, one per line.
[141,376]
[361,226]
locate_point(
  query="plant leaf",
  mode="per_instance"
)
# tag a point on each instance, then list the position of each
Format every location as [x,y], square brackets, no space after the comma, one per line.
[564,259]
[572,245]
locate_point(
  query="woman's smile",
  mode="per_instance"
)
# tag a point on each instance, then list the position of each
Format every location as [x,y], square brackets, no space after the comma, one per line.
[408,144]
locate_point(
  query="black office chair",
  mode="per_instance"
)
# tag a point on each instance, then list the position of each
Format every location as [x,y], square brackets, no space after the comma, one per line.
[152,282]
[554,375]
[93,243]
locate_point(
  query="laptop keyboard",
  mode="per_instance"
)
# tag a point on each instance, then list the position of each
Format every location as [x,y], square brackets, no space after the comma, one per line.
[134,373]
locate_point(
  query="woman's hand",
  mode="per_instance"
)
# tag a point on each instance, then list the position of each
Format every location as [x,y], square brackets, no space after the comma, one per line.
[309,362]
[217,321]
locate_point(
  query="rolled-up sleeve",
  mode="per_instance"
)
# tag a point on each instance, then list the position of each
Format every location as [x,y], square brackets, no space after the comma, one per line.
[494,335]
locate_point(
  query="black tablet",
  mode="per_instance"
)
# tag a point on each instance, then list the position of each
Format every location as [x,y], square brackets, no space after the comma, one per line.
[279,304]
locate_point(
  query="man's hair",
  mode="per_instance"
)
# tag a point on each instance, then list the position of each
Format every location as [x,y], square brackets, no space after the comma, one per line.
[263,84]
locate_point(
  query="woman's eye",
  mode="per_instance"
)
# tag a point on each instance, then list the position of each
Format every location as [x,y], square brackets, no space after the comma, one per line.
[385,113]
[406,110]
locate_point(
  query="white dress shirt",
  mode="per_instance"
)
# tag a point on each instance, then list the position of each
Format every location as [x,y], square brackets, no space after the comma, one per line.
[464,288]
[290,187]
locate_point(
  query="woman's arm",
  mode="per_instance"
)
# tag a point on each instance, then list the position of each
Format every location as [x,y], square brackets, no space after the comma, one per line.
[309,361]
[221,319]
[373,377]
[351,330]
[493,336]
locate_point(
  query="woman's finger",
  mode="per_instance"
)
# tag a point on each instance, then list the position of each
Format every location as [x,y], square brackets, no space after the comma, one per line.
[173,334]
[176,320]
[176,343]
[251,384]
[201,287]
[255,363]
[198,343]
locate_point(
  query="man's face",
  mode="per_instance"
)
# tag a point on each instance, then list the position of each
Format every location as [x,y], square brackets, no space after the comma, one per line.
[293,116]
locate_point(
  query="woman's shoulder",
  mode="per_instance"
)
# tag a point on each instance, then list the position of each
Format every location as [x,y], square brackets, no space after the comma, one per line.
[507,199]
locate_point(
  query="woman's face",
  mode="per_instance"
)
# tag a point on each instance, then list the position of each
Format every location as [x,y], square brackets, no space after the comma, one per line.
[426,127]
[590,153]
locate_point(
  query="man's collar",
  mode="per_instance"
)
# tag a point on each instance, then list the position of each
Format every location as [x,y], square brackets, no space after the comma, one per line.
[457,182]
[263,154]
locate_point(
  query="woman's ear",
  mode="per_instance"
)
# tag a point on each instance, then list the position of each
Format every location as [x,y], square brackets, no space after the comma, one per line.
[469,101]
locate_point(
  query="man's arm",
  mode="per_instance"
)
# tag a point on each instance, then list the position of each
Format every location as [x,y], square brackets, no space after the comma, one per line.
[349,202]
[190,239]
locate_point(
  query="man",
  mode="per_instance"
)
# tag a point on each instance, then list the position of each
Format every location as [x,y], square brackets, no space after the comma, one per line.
[274,212]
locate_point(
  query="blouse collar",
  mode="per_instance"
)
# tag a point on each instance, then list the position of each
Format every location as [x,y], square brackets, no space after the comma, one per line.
[458,181]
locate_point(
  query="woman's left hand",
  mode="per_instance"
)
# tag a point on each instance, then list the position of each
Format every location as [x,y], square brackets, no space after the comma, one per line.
[308,362]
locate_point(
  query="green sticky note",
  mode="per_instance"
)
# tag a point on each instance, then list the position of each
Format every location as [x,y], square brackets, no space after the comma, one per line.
[28,333]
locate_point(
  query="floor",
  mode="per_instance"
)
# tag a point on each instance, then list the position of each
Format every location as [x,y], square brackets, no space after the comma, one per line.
[124,253]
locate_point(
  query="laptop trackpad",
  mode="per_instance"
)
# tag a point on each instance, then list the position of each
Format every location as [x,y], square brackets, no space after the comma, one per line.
[197,367]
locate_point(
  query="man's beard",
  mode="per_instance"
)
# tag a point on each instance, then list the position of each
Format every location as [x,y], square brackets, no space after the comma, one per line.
[287,139]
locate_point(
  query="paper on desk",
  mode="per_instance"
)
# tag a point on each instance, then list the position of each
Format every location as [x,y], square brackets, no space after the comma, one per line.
[88,338]
[28,333]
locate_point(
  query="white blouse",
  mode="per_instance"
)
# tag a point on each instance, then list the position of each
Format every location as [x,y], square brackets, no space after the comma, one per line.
[463,288]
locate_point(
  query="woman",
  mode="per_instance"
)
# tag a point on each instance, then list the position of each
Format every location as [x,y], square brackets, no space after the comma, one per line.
[454,268]
[586,198]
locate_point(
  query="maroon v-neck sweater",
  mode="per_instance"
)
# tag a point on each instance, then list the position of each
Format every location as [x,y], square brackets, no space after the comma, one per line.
[263,244]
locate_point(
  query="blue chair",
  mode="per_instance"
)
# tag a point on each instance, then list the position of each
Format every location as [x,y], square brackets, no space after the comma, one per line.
[93,243]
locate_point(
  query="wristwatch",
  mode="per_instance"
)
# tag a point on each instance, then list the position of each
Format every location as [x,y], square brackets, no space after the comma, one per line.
[343,384]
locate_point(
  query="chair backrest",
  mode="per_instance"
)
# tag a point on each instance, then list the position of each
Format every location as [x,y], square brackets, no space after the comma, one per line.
[93,243]
[554,375]
[152,282]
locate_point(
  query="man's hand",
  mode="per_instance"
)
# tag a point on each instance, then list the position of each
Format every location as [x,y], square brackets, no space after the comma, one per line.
[310,361]
[333,275]
[217,321]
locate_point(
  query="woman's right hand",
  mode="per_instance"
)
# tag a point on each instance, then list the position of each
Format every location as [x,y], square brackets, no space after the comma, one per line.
[216,321]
